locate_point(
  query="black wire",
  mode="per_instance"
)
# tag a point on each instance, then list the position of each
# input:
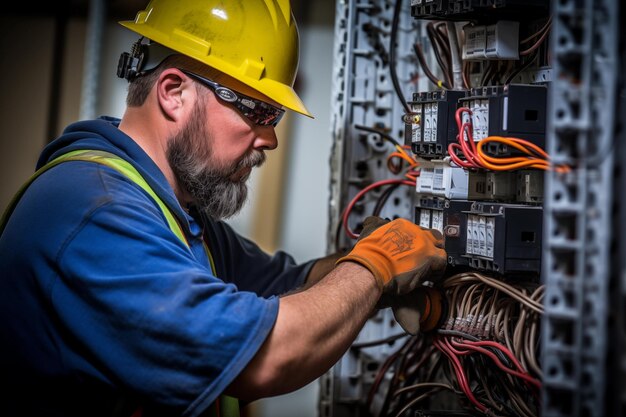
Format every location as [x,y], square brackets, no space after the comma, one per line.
[392,55]
[422,60]
[527,64]
[379,132]
[382,200]
[386,341]
[440,46]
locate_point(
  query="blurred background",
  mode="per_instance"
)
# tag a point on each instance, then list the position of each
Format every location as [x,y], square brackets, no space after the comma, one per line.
[58,65]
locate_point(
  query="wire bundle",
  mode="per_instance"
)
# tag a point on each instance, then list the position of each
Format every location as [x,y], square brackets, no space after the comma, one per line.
[467,154]
[485,355]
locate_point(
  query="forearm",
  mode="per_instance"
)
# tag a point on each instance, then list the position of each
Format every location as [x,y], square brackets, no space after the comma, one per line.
[321,268]
[312,331]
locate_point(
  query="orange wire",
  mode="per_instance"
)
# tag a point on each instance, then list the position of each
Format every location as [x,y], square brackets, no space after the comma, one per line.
[506,164]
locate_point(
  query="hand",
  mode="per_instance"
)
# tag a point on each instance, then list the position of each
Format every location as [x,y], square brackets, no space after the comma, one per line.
[370,224]
[421,310]
[399,253]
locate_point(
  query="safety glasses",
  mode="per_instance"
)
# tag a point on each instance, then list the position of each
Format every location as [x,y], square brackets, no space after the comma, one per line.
[259,112]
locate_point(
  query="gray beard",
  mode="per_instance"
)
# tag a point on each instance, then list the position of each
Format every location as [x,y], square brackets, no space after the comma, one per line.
[213,190]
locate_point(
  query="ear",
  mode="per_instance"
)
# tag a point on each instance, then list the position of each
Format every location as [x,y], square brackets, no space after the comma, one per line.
[172,89]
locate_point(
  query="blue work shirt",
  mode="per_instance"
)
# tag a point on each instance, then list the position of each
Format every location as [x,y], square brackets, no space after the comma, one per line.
[103,308]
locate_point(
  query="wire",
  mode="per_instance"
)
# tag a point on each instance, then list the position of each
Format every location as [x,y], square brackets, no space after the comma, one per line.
[361,193]
[382,200]
[386,341]
[429,74]
[545,27]
[440,44]
[382,134]
[544,35]
[475,157]
[392,55]
[537,157]
[522,68]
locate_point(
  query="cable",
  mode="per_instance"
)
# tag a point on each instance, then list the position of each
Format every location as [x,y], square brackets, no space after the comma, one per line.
[546,32]
[476,157]
[392,55]
[382,200]
[382,134]
[360,194]
[386,341]
[429,74]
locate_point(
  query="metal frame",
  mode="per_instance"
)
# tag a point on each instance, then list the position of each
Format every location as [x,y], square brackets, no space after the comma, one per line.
[578,207]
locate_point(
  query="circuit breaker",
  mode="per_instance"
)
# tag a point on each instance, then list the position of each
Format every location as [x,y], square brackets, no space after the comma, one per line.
[490,122]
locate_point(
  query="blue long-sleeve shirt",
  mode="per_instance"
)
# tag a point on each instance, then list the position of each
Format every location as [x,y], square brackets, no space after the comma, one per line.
[104,308]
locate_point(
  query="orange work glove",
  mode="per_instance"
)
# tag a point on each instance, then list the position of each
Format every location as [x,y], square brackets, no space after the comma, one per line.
[399,253]
[422,310]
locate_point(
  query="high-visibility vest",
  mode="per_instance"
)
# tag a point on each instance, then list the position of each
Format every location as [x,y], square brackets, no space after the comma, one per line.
[224,406]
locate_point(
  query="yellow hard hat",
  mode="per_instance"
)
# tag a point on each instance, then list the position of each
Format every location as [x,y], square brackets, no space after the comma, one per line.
[254,41]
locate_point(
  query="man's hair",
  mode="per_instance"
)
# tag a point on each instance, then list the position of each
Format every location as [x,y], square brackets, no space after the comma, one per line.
[140,87]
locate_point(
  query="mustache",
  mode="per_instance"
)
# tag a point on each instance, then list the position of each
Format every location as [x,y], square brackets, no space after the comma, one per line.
[253,159]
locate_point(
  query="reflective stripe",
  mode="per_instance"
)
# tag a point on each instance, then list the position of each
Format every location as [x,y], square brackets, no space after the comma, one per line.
[126,169]
[224,406]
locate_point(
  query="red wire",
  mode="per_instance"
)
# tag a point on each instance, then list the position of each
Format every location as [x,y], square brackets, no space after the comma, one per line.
[350,206]
[526,377]
[466,146]
[444,345]
[455,158]
[499,346]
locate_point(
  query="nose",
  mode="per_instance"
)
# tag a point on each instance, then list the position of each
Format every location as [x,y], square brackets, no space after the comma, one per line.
[266,138]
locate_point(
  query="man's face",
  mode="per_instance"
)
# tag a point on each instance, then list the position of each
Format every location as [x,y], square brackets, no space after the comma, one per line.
[218,187]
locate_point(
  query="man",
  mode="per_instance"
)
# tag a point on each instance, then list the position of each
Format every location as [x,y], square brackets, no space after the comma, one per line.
[122,291]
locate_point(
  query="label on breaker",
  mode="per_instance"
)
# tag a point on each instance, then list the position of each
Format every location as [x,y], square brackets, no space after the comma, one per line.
[425,218]
[427,122]
[437,220]
[480,119]
[469,245]
[482,237]
[490,228]
[438,184]
[476,236]
[424,183]
[430,122]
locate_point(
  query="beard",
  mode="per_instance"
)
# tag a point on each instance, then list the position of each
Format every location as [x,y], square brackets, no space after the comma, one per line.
[218,191]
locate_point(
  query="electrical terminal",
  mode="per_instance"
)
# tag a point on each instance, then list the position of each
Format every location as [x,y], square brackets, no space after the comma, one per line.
[457,323]
[412,118]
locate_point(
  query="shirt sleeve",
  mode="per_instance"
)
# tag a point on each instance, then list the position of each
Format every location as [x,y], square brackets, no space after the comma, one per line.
[146,314]
[242,262]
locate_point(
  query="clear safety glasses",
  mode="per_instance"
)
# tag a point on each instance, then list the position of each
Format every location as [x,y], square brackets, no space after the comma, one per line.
[259,112]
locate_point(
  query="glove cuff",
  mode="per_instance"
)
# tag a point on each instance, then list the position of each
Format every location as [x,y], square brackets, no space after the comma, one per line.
[380,280]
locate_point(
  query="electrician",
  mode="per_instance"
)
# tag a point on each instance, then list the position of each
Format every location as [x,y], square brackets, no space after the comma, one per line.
[123,292]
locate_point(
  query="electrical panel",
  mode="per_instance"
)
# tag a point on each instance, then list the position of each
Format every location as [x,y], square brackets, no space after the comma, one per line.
[478,119]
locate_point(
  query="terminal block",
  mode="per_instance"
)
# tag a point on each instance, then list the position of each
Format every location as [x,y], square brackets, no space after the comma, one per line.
[432,126]
[500,238]
[504,238]
[450,218]
[498,41]
[516,110]
[440,179]
[476,9]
